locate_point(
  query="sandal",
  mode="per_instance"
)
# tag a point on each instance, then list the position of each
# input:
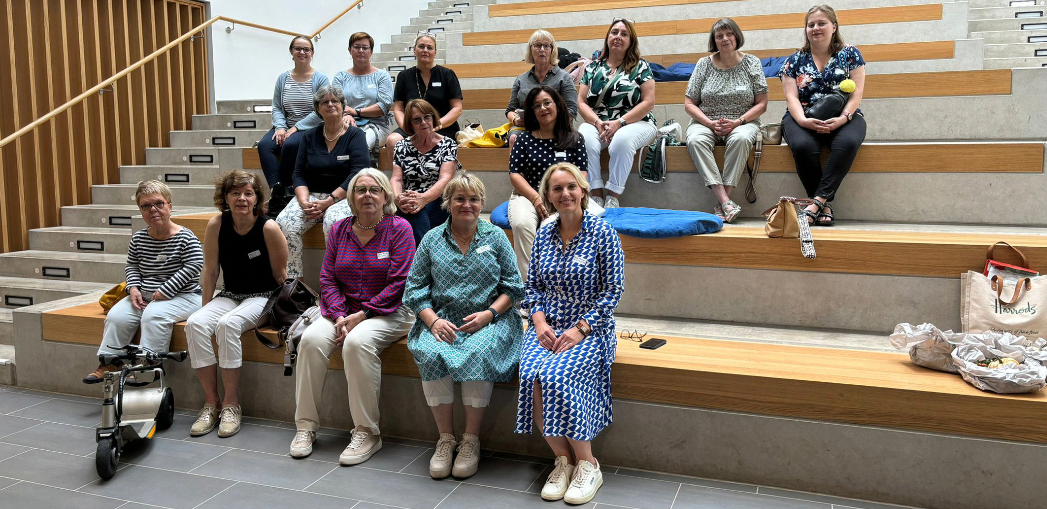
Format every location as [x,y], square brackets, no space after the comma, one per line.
[730,211]
[718,212]
[825,215]
[812,217]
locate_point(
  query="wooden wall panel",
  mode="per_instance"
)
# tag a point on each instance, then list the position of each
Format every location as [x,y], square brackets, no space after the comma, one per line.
[52,51]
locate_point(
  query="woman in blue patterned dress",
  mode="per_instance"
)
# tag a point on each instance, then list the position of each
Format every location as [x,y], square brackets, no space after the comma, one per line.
[809,75]
[574,282]
[463,284]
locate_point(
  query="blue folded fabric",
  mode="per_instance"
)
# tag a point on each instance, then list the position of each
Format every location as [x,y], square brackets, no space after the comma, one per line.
[772,66]
[675,72]
[500,216]
[660,223]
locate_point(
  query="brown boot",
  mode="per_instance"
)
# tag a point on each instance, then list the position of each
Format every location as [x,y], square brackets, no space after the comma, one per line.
[98,375]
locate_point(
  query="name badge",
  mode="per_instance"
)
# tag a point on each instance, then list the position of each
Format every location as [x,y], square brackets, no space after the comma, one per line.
[383,255]
[371,85]
[344,158]
[741,88]
[254,254]
[580,260]
[561,154]
[483,249]
[161,258]
[436,84]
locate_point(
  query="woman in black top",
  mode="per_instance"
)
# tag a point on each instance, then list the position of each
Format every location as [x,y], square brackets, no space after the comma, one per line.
[436,84]
[328,157]
[250,252]
[549,139]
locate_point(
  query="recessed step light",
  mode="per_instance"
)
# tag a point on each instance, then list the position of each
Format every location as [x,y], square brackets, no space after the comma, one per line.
[119,220]
[461,4]
[1041,52]
[444,21]
[16,301]
[223,140]
[176,178]
[1029,14]
[201,159]
[262,108]
[405,58]
[436,29]
[397,68]
[90,245]
[1034,26]
[60,272]
[1022,3]
[244,124]
[448,13]
[1038,38]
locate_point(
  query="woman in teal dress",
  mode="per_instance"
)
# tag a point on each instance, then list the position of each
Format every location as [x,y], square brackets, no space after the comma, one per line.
[463,284]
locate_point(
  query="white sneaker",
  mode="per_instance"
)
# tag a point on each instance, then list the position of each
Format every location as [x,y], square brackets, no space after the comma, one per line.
[230,421]
[611,203]
[587,479]
[558,481]
[597,200]
[205,422]
[468,459]
[302,445]
[440,464]
[361,448]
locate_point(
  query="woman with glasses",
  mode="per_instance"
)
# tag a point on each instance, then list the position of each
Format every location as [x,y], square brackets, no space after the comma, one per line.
[329,157]
[542,52]
[368,91]
[463,285]
[293,113]
[422,166]
[362,280]
[164,261]
[618,89]
[436,84]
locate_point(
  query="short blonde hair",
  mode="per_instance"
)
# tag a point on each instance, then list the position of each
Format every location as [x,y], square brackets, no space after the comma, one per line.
[382,181]
[543,188]
[240,178]
[147,187]
[542,35]
[464,181]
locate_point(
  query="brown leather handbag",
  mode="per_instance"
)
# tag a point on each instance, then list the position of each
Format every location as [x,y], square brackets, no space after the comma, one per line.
[285,305]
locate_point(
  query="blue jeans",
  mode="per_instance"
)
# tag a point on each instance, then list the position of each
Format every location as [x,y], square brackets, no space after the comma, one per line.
[425,219]
[278,162]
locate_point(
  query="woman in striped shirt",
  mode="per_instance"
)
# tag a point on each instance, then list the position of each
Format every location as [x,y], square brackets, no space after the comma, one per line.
[164,262]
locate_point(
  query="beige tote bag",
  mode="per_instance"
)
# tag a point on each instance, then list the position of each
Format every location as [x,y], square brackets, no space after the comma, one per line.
[990,304]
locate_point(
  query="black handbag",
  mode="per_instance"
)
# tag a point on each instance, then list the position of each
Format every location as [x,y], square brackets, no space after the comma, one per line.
[285,305]
[827,106]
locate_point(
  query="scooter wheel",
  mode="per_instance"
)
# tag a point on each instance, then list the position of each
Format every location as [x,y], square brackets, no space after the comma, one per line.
[166,413]
[105,458]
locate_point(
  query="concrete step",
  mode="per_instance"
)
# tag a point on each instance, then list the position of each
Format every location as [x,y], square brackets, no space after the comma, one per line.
[234,121]
[16,292]
[1011,36]
[7,328]
[432,26]
[1015,62]
[245,106]
[407,37]
[226,158]
[80,239]
[977,4]
[1008,12]
[438,19]
[176,175]
[64,266]
[999,25]
[217,138]
[184,195]
[7,364]
[459,13]
[1020,50]
[111,215]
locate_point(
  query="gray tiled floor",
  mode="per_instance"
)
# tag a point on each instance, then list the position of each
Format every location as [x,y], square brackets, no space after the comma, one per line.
[47,461]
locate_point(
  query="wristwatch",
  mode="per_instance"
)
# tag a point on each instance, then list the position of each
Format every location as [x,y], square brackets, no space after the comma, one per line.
[624,123]
[368,313]
[848,114]
[742,120]
[584,328]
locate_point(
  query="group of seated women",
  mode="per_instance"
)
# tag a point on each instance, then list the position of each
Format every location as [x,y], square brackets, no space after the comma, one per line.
[455,295]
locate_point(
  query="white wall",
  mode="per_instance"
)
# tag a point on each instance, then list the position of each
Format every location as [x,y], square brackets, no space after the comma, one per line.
[247,60]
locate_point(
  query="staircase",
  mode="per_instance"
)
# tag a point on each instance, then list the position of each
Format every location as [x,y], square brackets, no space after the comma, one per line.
[1014,31]
[442,17]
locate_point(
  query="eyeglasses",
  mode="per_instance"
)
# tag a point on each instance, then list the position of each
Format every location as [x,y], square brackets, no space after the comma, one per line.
[627,20]
[372,190]
[302,50]
[426,32]
[428,119]
[633,335]
[361,48]
[542,46]
[545,104]
[146,207]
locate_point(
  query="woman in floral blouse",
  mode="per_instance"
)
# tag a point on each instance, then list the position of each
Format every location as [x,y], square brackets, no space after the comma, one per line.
[618,92]
[809,75]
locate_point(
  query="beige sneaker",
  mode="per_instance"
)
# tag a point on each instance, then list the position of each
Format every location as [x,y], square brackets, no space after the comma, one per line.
[230,421]
[361,448]
[587,479]
[558,481]
[440,464]
[302,445]
[205,422]
[468,458]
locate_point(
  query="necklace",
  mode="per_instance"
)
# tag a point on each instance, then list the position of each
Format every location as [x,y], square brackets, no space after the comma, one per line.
[459,239]
[418,83]
[373,226]
[336,135]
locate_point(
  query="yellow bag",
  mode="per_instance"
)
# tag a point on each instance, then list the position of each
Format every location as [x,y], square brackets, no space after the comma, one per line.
[496,137]
[111,297]
[471,131]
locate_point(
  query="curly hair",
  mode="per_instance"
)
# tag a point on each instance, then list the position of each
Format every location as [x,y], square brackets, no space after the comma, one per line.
[225,183]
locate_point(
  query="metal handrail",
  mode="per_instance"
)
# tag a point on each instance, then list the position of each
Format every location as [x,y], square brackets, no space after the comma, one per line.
[93,90]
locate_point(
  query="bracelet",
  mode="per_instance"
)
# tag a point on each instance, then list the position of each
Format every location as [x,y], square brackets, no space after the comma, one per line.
[433,324]
[493,312]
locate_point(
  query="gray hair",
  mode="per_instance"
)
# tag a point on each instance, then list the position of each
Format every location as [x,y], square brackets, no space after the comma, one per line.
[325,91]
[382,181]
[147,187]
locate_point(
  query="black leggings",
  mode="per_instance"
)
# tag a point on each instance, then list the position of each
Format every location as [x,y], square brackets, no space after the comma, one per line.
[806,146]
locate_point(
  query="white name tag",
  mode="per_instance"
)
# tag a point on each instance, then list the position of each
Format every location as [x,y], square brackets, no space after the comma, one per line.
[580,260]
[437,84]
[371,85]
[161,258]
[561,154]
[741,88]
[344,158]
[383,255]
[483,249]
[254,254]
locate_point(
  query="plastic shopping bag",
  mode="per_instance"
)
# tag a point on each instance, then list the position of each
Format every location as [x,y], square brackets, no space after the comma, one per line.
[927,345]
[1024,374]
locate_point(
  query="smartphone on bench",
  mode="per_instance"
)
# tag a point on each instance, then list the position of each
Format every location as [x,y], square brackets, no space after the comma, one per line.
[652,344]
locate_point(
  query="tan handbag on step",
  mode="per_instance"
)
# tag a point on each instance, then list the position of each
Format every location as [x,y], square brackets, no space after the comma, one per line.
[782,222]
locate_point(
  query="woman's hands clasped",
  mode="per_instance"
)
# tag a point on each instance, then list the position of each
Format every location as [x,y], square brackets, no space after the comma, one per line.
[558,344]
[447,332]
[345,324]
[823,126]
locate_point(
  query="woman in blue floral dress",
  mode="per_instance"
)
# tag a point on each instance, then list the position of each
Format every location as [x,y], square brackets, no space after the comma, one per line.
[573,285]
[809,75]
[463,285]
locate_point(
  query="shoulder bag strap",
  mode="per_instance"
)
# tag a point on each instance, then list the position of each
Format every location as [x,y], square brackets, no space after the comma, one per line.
[989,253]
